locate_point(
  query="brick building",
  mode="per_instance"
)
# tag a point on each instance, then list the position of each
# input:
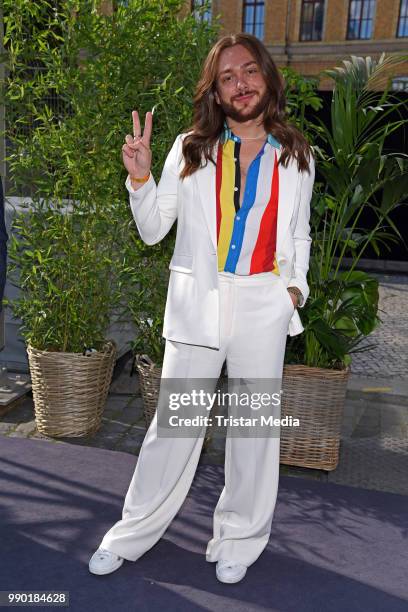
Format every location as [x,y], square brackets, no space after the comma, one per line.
[313,35]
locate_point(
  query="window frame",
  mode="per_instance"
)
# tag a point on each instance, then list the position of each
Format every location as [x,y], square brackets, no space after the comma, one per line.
[253,3]
[302,20]
[400,18]
[361,19]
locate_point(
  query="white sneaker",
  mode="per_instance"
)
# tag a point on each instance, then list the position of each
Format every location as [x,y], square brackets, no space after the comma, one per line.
[104,562]
[229,571]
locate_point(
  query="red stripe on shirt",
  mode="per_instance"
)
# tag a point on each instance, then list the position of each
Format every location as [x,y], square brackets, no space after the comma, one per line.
[263,255]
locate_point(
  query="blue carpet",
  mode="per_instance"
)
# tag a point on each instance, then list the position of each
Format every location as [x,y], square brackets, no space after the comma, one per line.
[332,547]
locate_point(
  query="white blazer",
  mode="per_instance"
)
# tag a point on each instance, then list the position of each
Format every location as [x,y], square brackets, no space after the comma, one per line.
[192,308]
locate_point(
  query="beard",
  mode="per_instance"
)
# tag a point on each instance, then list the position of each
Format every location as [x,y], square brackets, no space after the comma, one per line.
[244,115]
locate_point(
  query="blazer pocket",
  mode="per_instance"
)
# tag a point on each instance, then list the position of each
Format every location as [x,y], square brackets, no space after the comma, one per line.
[181,263]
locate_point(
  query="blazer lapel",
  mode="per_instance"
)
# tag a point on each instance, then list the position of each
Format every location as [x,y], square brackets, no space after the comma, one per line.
[205,185]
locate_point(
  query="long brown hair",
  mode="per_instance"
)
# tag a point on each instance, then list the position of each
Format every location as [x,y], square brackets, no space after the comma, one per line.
[208,116]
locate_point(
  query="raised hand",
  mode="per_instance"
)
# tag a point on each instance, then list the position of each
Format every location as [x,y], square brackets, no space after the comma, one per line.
[136,153]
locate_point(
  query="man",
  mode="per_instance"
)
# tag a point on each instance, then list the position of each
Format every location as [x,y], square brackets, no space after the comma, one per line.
[240,183]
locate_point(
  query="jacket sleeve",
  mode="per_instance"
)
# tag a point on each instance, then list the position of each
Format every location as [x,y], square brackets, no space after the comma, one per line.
[301,234]
[154,207]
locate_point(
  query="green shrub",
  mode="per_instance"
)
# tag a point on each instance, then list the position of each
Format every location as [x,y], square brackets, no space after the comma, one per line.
[73,78]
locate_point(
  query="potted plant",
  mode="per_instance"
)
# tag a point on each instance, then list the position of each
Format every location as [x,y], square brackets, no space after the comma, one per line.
[60,258]
[64,304]
[359,177]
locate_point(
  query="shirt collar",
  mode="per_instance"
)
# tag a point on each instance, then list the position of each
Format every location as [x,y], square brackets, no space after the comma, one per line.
[229,134]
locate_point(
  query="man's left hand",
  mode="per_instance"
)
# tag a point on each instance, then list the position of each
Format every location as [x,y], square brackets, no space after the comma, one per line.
[296,295]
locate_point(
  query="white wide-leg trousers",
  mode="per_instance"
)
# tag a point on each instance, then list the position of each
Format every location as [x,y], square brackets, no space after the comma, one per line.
[254,316]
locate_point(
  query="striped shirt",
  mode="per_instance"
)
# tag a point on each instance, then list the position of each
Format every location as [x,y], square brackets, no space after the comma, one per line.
[246,235]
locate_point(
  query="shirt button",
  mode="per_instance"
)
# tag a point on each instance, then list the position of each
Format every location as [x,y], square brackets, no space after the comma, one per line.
[235,159]
[235,188]
[238,218]
[232,246]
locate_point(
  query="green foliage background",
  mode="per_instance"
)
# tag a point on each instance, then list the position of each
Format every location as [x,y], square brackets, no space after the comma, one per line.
[74,77]
[357,173]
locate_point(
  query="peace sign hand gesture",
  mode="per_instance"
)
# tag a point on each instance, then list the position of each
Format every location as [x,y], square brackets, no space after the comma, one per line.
[136,153]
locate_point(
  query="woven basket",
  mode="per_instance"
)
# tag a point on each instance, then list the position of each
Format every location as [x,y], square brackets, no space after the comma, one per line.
[316,397]
[70,389]
[149,380]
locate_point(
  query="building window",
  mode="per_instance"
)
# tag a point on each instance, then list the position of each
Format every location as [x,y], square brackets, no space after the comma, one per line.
[402,29]
[360,19]
[400,83]
[311,20]
[201,9]
[253,17]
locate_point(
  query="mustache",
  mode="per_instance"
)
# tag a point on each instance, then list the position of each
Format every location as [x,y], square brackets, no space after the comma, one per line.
[248,93]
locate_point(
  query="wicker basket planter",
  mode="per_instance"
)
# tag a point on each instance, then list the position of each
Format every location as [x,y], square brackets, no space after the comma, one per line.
[70,389]
[316,397]
[149,380]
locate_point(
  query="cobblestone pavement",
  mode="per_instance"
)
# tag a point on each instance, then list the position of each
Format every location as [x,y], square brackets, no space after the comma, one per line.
[389,358]
[374,438]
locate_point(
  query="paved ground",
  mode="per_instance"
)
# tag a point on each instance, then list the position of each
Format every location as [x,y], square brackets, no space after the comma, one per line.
[374,444]
[389,358]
